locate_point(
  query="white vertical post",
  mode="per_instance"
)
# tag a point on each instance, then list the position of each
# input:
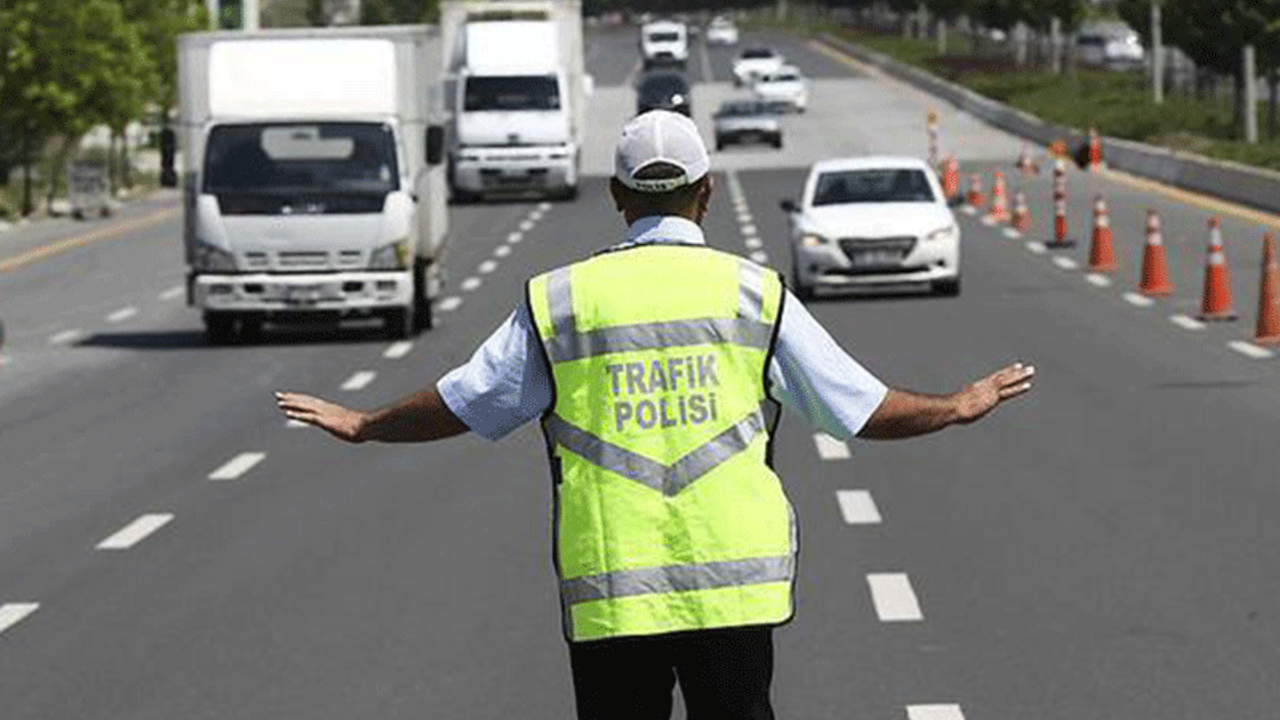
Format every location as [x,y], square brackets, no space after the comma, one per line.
[249,15]
[942,36]
[1055,42]
[212,7]
[1157,54]
[1250,96]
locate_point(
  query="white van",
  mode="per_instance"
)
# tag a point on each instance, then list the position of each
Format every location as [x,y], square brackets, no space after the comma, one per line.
[664,43]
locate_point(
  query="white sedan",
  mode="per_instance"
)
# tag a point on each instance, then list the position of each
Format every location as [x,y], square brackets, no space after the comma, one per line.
[873,223]
[722,31]
[785,85]
[753,62]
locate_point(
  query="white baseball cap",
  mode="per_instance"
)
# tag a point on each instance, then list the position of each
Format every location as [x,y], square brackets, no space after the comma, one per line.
[660,136]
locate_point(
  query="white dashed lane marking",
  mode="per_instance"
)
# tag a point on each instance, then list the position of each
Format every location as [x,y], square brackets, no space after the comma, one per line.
[1065,263]
[515,237]
[359,380]
[830,448]
[1098,280]
[294,424]
[487,267]
[502,251]
[894,599]
[753,243]
[135,532]
[1037,247]
[65,337]
[748,229]
[470,284]
[526,226]
[1138,300]
[173,293]
[1012,234]
[1186,323]
[857,507]
[759,257]
[544,206]
[934,712]
[449,304]
[398,350]
[12,613]
[122,314]
[1249,349]
[237,466]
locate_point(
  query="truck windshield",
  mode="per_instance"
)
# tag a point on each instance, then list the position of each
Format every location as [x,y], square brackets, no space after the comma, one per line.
[301,159]
[528,92]
[872,186]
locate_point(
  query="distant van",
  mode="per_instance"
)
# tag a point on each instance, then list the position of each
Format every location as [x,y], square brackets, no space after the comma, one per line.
[664,43]
[1111,47]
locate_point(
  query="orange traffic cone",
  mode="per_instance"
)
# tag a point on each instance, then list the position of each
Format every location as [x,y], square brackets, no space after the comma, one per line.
[1216,304]
[1021,215]
[1060,239]
[1268,329]
[1155,267]
[951,178]
[975,198]
[1102,257]
[1095,149]
[998,212]
[1026,165]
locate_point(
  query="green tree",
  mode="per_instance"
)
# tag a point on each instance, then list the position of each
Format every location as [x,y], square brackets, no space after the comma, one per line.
[398,12]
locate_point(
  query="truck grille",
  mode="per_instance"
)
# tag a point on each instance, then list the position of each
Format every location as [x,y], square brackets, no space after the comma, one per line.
[294,260]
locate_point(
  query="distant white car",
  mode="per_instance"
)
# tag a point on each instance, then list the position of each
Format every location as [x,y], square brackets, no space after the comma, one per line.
[753,62]
[664,43]
[873,222]
[722,31]
[785,85]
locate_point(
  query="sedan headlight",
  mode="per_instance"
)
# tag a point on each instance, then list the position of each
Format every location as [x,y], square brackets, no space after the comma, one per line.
[391,257]
[945,233]
[812,240]
[209,258]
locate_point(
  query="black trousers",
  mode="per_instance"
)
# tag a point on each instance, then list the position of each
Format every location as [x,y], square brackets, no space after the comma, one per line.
[724,674]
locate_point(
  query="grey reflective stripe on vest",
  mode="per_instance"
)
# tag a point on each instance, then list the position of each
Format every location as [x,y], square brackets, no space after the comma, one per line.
[677,578]
[656,336]
[666,479]
[750,290]
[560,302]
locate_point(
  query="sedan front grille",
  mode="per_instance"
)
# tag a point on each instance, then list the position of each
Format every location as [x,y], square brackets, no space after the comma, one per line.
[877,252]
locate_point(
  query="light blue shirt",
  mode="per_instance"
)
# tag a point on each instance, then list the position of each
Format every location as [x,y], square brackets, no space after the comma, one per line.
[505,383]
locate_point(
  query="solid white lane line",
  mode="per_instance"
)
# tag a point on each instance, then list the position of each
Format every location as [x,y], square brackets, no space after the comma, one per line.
[65,337]
[237,466]
[1098,280]
[934,712]
[753,243]
[1012,233]
[857,507]
[1249,349]
[122,314]
[1186,323]
[1065,263]
[526,226]
[502,251]
[515,237]
[1037,247]
[12,613]
[894,599]
[173,293]
[1134,298]
[748,229]
[759,257]
[830,448]
[359,380]
[398,350]
[135,532]
[470,284]
[449,304]
[487,267]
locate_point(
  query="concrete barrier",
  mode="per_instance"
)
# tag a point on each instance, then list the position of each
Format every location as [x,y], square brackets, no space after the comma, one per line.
[1255,187]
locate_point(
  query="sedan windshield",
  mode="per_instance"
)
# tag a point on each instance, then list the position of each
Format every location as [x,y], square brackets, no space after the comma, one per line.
[757,54]
[535,92]
[301,158]
[872,186]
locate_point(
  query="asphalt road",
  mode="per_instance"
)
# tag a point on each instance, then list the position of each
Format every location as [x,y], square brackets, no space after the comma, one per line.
[1102,548]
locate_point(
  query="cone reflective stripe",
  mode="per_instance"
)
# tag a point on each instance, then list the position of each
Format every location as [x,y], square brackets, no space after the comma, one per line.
[1155,267]
[1268,327]
[1102,256]
[1216,303]
[951,178]
[976,200]
[1021,215]
[1095,149]
[998,212]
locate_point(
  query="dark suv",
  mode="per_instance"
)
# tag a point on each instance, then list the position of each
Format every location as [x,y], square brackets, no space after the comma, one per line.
[663,91]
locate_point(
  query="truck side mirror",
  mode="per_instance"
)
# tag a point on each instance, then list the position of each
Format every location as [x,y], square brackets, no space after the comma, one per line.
[168,153]
[435,144]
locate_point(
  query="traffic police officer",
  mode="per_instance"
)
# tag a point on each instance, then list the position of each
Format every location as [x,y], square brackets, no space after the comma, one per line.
[657,368]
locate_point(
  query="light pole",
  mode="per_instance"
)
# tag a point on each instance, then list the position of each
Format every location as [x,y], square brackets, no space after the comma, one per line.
[1157,54]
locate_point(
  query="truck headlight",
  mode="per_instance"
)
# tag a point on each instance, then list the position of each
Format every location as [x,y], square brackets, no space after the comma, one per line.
[390,257]
[213,259]
[812,240]
[945,233]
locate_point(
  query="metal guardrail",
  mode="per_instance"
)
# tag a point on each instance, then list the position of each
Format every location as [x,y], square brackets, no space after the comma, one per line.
[1255,187]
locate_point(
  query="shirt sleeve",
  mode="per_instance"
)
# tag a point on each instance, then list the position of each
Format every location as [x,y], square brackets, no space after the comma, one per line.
[505,384]
[812,375]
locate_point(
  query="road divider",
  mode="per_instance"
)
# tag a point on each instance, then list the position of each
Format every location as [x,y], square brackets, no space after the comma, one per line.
[81,240]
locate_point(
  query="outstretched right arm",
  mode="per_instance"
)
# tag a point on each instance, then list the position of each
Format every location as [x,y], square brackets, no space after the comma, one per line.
[420,417]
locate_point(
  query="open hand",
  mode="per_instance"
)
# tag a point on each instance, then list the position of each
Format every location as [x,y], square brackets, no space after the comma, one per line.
[983,396]
[340,422]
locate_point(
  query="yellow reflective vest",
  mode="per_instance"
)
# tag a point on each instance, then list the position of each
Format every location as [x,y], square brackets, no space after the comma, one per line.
[668,516]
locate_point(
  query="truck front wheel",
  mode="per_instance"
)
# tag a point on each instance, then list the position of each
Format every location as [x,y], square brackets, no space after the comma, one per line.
[219,328]
[400,323]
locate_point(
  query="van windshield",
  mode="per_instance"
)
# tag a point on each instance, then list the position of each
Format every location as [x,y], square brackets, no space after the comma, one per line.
[527,92]
[300,159]
[872,186]
[664,37]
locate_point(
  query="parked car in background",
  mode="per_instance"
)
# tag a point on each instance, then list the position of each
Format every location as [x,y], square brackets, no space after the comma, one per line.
[664,43]
[722,31]
[785,85]
[1111,46]
[753,62]
[663,91]
[873,222]
[744,121]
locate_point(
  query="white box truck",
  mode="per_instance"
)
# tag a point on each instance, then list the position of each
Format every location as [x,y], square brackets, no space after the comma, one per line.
[312,165]
[518,91]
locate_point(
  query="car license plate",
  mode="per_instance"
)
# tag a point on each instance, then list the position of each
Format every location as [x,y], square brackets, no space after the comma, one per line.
[875,258]
[304,294]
